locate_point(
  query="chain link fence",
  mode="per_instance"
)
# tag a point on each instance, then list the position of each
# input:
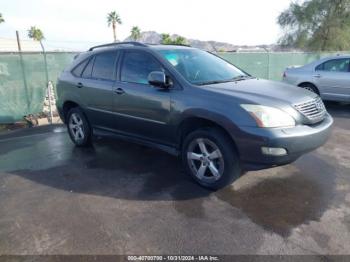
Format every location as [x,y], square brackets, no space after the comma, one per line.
[23,84]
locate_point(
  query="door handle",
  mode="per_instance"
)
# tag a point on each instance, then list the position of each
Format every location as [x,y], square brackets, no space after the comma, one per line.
[119,91]
[317,76]
[79,85]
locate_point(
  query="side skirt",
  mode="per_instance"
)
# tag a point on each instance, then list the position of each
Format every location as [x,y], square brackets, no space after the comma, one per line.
[104,133]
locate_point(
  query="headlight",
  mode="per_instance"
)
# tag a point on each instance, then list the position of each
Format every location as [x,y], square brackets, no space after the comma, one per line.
[266,116]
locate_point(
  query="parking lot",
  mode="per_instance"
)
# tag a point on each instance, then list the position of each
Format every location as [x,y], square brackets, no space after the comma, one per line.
[120,198]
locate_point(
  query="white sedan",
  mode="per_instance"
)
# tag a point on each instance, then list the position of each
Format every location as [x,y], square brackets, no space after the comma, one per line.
[328,77]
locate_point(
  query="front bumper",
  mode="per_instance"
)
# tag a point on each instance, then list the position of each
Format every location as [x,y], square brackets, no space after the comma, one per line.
[297,141]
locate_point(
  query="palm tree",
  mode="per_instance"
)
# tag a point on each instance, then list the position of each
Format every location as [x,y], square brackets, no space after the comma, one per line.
[112,19]
[135,33]
[1,19]
[36,34]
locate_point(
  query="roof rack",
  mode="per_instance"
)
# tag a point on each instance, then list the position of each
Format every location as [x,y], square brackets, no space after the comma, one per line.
[119,43]
[186,45]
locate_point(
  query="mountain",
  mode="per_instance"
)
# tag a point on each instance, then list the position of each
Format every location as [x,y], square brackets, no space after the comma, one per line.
[152,37]
[149,37]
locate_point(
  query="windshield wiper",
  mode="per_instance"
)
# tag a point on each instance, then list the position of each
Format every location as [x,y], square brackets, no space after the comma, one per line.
[234,79]
[241,77]
[213,82]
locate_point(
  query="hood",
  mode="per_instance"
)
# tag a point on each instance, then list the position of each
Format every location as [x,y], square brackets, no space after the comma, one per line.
[263,91]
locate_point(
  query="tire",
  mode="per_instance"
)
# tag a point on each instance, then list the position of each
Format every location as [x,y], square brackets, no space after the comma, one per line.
[79,129]
[310,87]
[198,161]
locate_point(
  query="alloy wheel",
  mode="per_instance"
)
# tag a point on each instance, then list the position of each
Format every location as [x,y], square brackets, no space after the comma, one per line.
[76,127]
[205,160]
[309,88]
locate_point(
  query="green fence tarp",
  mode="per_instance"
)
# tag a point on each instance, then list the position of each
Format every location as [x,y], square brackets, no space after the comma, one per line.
[23,84]
[22,94]
[271,65]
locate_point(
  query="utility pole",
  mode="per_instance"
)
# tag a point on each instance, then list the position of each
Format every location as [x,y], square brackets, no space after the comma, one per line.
[18,42]
[49,85]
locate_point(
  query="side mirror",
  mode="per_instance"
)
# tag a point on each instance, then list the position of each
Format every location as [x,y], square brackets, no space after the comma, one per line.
[158,79]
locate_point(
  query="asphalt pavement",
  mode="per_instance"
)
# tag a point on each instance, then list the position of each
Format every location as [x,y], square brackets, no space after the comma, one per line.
[121,198]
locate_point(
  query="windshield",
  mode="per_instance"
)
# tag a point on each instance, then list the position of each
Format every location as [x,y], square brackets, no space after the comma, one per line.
[200,67]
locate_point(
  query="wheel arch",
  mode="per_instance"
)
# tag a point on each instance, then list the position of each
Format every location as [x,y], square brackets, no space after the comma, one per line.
[68,105]
[197,121]
[310,83]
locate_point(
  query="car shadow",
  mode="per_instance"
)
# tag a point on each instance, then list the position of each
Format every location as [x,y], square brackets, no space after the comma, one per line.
[119,169]
[337,109]
[296,194]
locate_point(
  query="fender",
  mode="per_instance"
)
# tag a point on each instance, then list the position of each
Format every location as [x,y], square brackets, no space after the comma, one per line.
[71,97]
[215,117]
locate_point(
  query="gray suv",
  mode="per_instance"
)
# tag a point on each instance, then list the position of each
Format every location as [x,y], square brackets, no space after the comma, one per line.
[192,104]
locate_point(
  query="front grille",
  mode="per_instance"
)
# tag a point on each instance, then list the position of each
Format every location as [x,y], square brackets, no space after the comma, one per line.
[314,110]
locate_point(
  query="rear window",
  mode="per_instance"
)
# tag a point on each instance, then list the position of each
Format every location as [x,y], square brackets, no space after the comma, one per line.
[104,66]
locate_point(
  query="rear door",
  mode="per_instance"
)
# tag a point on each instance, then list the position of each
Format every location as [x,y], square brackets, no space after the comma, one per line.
[333,78]
[140,109]
[97,83]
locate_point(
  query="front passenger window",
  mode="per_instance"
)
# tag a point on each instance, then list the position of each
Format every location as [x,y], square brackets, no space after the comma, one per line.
[335,65]
[137,66]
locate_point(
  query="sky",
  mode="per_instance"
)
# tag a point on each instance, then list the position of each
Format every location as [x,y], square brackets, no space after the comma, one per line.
[79,24]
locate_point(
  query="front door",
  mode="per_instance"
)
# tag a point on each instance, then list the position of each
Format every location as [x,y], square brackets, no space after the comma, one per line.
[140,109]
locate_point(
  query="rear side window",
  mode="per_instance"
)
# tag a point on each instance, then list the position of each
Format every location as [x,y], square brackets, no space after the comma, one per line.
[104,66]
[88,69]
[77,71]
[137,66]
[335,65]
